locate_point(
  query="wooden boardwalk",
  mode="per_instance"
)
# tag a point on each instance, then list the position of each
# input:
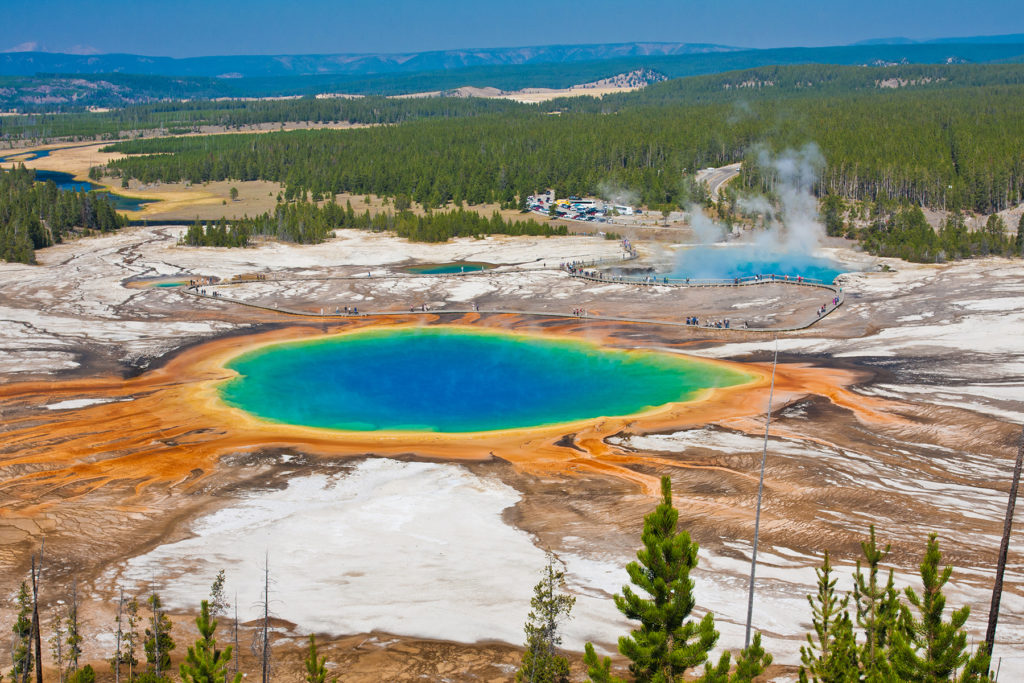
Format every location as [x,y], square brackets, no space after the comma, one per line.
[837,292]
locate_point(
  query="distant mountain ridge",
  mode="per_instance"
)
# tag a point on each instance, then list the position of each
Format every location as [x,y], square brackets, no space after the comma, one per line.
[1017,38]
[253,66]
[55,86]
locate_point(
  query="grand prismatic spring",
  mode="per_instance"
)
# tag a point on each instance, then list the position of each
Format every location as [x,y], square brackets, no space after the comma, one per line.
[458,380]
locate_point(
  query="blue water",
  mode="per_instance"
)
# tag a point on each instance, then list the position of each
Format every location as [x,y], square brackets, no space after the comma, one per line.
[26,156]
[444,379]
[67,182]
[447,268]
[746,260]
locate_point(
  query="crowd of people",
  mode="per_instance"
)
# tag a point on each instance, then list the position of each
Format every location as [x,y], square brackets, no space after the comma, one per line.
[718,324]
[823,309]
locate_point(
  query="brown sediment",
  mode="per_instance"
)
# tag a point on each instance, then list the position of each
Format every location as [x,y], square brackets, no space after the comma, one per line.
[168,427]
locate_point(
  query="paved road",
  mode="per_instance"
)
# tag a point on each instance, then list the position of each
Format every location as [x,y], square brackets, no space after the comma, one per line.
[717,177]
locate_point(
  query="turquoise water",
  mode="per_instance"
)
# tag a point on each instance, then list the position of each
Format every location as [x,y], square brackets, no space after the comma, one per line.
[749,260]
[455,380]
[169,284]
[447,268]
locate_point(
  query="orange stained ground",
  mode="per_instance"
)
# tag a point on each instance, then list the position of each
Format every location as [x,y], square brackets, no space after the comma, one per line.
[168,426]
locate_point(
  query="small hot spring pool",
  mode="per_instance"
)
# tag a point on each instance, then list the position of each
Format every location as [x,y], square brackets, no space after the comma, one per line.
[448,268]
[453,379]
[748,260]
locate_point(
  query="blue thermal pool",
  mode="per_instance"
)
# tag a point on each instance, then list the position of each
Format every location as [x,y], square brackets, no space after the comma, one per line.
[727,262]
[448,268]
[449,379]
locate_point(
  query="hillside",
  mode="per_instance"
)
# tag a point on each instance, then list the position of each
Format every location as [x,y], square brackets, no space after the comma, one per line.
[255,66]
[41,82]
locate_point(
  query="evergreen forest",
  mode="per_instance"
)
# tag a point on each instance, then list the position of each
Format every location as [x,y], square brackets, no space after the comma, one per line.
[35,215]
[876,632]
[942,147]
[307,223]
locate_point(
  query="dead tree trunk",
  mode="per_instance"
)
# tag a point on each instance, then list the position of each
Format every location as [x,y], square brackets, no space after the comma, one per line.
[36,637]
[236,634]
[266,622]
[117,651]
[1004,549]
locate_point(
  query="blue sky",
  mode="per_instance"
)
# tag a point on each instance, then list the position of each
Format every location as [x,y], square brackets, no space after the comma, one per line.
[184,28]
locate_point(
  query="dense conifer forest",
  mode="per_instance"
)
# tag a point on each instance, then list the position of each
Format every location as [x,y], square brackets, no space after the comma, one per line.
[35,215]
[939,136]
[955,148]
[307,223]
[179,117]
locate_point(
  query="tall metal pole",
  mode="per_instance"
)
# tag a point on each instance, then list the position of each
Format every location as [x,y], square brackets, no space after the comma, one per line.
[1004,549]
[760,491]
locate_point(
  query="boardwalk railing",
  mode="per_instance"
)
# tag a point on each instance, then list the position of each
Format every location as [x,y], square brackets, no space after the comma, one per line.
[663,280]
[198,291]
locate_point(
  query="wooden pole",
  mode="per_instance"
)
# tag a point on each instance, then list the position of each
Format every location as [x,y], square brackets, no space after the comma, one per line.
[1004,549]
[36,580]
[760,491]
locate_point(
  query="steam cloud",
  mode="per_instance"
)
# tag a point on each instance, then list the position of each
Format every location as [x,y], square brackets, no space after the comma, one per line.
[706,230]
[617,194]
[791,226]
[796,226]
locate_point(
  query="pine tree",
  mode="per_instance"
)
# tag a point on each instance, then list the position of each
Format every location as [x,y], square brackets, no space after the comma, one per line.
[118,658]
[74,638]
[84,675]
[218,600]
[877,609]
[158,644]
[928,649]
[833,658]
[316,666]
[131,637]
[57,636]
[204,663]
[540,663]
[666,644]
[1019,243]
[750,663]
[21,646]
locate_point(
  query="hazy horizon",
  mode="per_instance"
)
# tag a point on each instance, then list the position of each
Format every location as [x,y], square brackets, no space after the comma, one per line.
[192,28]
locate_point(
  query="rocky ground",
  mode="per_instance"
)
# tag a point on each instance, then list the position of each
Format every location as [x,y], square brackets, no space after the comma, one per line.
[429,562]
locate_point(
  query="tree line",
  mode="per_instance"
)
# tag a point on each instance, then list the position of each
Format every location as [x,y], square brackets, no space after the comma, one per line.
[35,215]
[177,116]
[904,232]
[876,633]
[308,223]
[939,147]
